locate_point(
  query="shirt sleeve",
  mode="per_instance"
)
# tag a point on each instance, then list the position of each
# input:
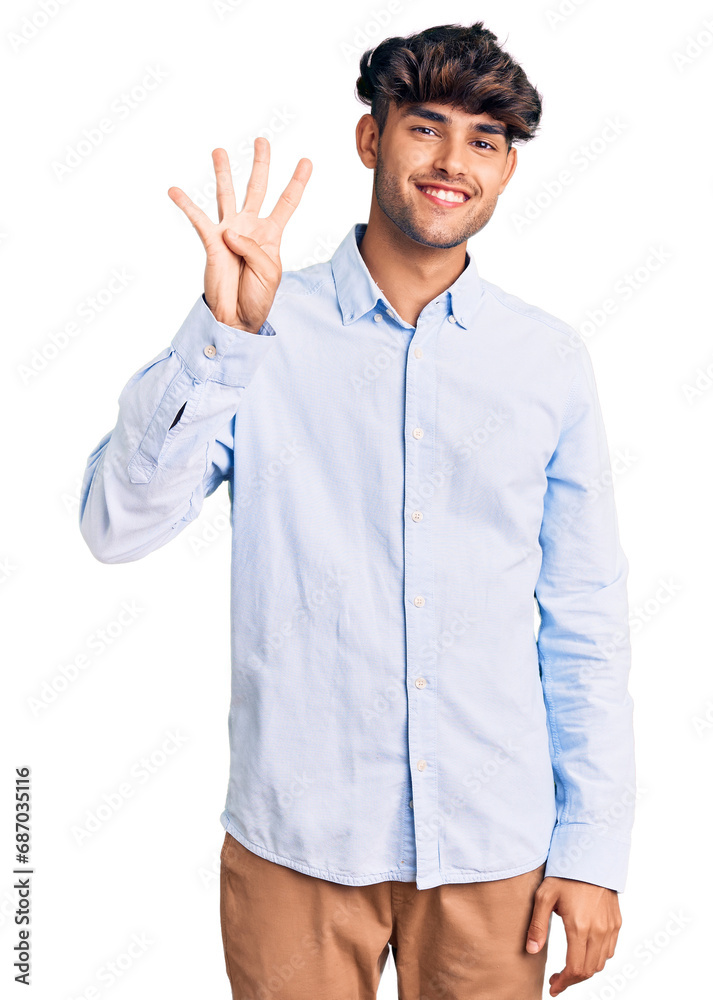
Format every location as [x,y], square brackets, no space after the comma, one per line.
[172,444]
[584,648]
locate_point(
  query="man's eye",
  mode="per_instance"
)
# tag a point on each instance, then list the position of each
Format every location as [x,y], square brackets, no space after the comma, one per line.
[427,128]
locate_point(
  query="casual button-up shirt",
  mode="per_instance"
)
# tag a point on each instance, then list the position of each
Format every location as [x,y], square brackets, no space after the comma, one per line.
[429,621]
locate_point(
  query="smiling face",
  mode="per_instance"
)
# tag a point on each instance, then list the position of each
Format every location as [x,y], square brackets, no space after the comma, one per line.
[438,170]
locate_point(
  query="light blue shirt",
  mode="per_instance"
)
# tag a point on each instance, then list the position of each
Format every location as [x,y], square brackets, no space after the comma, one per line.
[406,502]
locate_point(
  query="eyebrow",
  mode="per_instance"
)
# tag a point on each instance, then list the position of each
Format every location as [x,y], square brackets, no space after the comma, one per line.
[488,128]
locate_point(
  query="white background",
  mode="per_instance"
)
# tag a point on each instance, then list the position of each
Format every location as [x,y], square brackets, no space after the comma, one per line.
[287,70]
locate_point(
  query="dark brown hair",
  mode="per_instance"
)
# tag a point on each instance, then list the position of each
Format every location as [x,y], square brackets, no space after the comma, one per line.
[450,64]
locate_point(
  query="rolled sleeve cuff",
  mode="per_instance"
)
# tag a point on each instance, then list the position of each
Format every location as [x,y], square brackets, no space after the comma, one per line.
[213,350]
[579,851]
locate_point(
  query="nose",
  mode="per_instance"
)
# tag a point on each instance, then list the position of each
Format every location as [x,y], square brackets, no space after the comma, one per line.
[450,157]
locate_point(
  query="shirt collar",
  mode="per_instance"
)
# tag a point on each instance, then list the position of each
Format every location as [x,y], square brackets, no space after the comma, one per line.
[358,293]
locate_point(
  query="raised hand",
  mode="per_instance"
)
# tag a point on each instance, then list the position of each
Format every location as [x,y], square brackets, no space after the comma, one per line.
[243,267]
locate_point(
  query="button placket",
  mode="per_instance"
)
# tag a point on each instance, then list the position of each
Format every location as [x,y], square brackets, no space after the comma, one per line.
[419,570]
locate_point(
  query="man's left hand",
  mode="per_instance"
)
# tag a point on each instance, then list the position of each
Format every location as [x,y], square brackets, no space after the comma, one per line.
[591,918]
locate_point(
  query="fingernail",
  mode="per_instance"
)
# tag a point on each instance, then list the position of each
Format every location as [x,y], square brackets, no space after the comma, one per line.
[532,944]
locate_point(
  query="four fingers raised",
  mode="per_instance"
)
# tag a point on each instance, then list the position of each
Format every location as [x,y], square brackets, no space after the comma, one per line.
[198,217]
[225,193]
[290,197]
[254,195]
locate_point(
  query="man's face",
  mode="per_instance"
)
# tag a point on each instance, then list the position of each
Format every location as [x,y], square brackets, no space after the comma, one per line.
[432,147]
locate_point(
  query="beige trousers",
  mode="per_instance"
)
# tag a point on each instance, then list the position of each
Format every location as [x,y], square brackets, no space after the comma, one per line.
[291,936]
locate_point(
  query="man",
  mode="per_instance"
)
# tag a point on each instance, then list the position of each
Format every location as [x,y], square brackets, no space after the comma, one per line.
[416,460]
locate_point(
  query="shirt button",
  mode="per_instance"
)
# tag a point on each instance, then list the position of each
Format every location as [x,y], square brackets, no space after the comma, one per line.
[417,515]
[420,682]
[378,318]
[417,352]
[410,805]
[421,765]
[419,601]
[451,319]
[389,313]
[418,432]
[209,351]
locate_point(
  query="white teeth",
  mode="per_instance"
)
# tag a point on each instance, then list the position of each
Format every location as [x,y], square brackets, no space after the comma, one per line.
[445,195]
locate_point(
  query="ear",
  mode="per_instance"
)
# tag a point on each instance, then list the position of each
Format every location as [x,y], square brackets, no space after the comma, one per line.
[510,165]
[367,140]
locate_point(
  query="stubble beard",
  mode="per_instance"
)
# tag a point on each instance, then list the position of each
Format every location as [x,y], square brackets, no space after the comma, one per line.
[440,233]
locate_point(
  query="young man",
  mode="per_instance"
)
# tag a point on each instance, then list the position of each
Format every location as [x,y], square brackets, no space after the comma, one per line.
[411,454]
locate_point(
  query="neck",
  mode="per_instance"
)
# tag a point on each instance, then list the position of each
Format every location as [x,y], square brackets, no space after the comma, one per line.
[408,273]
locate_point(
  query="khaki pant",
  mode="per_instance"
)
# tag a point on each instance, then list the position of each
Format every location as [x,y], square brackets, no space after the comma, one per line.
[291,936]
